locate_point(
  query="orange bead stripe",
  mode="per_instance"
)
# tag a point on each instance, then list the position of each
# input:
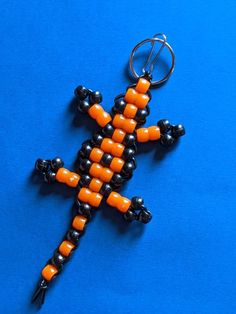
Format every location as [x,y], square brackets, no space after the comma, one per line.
[49,272]
[138,99]
[96,156]
[65,176]
[118,201]
[109,146]
[99,114]
[148,134]
[128,125]
[100,172]
[87,196]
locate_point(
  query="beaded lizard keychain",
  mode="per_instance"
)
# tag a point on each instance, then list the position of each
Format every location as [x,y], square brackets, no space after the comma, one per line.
[107,160]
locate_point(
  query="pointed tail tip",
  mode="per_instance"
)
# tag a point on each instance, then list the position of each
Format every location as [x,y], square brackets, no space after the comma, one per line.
[39,294]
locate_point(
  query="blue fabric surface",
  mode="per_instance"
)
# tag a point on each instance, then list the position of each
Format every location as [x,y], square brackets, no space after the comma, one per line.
[184,260]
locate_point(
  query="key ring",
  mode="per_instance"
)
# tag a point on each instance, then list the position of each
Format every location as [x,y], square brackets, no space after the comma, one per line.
[156,38]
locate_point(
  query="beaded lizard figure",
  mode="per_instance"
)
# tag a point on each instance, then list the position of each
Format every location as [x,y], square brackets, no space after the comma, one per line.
[107,160]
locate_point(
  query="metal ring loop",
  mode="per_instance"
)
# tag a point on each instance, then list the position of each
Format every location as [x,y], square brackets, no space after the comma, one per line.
[153,41]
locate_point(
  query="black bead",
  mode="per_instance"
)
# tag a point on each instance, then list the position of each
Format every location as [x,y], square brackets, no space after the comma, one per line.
[81,92]
[128,153]
[97,139]
[108,130]
[119,106]
[74,236]
[164,125]
[50,177]
[177,130]
[85,165]
[167,140]
[42,165]
[137,202]
[129,165]
[106,189]
[129,140]
[85,210]
[128,169]
[83,106]
[106,159]
[117,180]
[85,180]
[86,149]
[140,123]
[57,163]
[141,115]
[129,216]
[95,97]
[58,260]
[144,216]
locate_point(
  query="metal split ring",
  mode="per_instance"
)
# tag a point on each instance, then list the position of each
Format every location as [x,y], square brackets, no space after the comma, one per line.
[156,38]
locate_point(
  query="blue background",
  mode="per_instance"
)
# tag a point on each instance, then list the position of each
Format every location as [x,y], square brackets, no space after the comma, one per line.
[184,260]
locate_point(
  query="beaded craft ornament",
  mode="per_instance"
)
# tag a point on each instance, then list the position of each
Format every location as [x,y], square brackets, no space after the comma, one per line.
[107,160]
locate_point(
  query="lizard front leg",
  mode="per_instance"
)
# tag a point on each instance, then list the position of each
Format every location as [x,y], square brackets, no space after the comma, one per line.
[89,102]
[53,171]
[164,131]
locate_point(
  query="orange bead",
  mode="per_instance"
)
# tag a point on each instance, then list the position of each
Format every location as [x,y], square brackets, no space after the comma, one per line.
[103,118]
[95,199]
[96,154]
[49,272]
[95,110]
[66,247]
[154,133]
[142,85]
[113,199]
[141,101]
[95,170]
[117,149]
[95,185]
[130,95]
[107,144]
[142,135]
[84,195]
[62,174]
[118,121]
[116,164]
[123,204]
[118,135]
[129,125]
[106,175]
[130,111]
[72,179]
[79,222]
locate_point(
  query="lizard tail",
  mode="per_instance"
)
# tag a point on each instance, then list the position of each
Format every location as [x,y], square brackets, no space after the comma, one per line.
[61,255]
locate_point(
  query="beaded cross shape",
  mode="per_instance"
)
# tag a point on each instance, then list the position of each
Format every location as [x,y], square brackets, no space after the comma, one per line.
[105,162]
